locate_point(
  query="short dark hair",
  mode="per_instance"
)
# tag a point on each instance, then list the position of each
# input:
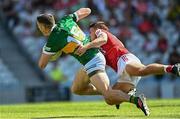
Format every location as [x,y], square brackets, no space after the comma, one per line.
[46,19]
[100,25]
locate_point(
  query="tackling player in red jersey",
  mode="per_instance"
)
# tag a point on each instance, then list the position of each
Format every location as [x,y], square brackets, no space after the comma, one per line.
[127,65]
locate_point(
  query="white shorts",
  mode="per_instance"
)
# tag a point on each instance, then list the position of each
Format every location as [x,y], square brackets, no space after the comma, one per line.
[97,63]
[124,76]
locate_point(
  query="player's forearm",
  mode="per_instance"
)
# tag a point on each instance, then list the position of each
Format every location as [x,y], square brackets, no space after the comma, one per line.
[43,61]
[82,13]
[98,42]
[41,64]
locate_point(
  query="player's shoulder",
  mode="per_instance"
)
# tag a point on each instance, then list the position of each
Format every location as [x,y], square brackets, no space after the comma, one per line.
[99,32]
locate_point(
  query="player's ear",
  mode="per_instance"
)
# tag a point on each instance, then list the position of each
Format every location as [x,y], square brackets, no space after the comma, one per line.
[53,19]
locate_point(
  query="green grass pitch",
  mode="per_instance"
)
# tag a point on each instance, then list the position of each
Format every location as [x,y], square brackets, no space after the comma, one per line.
[160,109]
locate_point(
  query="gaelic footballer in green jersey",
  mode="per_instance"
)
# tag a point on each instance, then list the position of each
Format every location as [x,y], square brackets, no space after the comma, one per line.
[65,37]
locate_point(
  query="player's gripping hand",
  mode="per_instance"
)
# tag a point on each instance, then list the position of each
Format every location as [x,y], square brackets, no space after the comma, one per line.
[81,50]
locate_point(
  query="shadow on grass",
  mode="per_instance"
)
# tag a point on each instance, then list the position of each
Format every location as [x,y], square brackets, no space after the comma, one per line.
[76,116]
[115,116]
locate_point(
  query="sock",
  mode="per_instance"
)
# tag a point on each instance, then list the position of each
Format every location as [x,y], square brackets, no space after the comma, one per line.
[168,69]
[133,100]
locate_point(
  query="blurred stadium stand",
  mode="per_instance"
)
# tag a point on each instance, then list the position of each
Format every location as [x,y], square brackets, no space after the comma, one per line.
[10,86]
[20,78]
[149,28]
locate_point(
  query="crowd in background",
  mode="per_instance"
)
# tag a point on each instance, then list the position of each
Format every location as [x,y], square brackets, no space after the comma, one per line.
[149,28]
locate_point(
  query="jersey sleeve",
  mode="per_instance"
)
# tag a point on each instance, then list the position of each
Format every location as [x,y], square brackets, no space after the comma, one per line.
[48,50]
[74,16]
[50,47]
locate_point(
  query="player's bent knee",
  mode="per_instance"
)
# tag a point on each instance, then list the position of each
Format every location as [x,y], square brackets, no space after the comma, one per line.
[109,98]
[75,90]
[109,102]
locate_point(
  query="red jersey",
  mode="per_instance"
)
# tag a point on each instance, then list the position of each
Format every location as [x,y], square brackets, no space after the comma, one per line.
[113,49]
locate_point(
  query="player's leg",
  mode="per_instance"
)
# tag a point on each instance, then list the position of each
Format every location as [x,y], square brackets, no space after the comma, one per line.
[135,68]
[101,82]
[138,69]
[81,84]
[127,84]
[125,87]
[98,77]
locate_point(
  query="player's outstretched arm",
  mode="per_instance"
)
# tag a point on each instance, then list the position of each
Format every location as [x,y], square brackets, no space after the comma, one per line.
[82,13]
[96,43]
[43,61]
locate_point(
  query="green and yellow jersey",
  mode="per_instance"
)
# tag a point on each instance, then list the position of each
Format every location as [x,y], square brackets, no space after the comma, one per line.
[65,37]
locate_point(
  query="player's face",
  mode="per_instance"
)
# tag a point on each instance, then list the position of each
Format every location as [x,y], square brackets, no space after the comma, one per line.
[43,29]
[92,33]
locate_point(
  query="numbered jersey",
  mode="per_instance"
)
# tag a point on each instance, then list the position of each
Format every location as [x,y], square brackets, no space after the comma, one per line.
[113,49]
[65,37]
